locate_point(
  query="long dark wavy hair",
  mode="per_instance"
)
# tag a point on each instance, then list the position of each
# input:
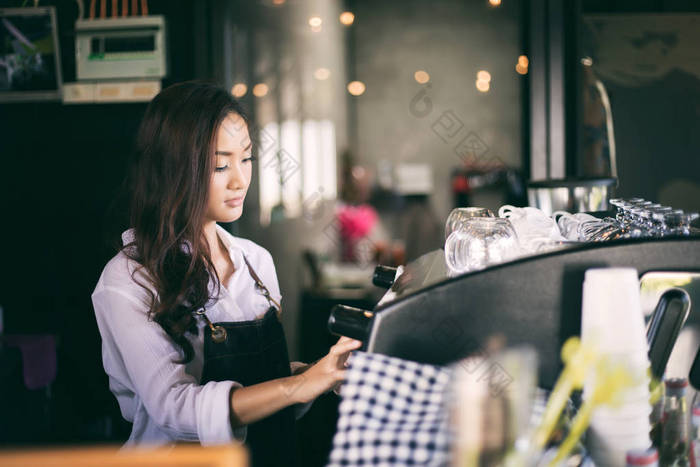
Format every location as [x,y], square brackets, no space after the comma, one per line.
[169,185]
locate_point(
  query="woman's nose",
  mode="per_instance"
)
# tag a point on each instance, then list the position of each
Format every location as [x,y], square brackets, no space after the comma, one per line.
[238,180]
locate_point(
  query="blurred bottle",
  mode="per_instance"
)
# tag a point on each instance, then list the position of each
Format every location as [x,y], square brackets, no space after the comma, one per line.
[674,447]
[491,403]
[656,419]
[643,458]
[695,432]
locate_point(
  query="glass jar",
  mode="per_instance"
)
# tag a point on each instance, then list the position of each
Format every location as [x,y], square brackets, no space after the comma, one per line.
[479,243]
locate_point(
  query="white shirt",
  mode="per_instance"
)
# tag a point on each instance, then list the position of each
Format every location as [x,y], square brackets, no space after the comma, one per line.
[164,400]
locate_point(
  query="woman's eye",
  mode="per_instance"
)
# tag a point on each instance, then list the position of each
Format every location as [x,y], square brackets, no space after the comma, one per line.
[221,169]
[249,159]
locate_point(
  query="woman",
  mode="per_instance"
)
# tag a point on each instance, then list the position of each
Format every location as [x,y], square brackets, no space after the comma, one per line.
[191,340]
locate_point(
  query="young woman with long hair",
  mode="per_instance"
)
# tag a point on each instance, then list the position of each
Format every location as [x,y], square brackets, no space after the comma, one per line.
[188,313]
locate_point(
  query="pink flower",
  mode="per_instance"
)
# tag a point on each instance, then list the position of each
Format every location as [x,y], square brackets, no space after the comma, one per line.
[356,221]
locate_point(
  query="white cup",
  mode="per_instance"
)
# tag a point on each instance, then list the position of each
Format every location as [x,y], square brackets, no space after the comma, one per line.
[611,314]
[613,324]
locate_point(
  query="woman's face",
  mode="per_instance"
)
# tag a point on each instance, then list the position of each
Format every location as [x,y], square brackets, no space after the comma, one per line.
[231,176]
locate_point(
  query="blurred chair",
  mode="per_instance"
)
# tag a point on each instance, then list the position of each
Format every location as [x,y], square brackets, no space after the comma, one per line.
[27,371]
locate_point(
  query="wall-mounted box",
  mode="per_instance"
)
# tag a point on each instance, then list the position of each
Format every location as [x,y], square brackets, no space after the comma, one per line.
[132,47]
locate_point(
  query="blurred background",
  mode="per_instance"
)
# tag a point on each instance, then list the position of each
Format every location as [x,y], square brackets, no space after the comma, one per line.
[373,120]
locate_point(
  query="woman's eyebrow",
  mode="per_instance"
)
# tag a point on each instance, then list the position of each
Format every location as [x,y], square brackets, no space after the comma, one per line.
[229,153]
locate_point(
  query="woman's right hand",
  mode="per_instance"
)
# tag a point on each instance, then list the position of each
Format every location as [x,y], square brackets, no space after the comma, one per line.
[326,373]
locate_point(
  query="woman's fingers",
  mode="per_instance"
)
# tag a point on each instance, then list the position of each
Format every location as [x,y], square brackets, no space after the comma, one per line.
[344,339]
[347,345]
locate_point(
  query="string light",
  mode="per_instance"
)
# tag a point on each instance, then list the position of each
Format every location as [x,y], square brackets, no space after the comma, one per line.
[315,21]
[482,86]
[495,2]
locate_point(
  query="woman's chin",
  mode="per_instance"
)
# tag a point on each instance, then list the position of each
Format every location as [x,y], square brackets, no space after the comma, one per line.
[231,216]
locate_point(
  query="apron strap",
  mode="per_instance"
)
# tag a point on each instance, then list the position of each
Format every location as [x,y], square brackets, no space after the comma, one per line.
[218,333]
[260,286]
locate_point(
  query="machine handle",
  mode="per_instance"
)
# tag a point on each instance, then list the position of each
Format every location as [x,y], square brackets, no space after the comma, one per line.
[665,325]
[350,322]
[694,375]
[384,276]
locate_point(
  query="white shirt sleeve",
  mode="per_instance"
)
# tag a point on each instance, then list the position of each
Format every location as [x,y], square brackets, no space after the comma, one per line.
[139,353]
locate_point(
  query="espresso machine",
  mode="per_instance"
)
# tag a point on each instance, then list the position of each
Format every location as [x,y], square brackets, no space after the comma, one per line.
[429,317]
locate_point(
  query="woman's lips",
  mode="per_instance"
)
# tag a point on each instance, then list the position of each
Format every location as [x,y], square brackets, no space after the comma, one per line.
[235,202]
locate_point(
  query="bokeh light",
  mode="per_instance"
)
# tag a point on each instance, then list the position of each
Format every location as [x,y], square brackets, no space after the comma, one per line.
[482,85]
[322,74]
[260,90]
[421,76]
[356,88]
[483,75]
[347,18]
[238,90]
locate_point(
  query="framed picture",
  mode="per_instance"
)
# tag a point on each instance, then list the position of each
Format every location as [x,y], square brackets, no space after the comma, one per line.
[30,58]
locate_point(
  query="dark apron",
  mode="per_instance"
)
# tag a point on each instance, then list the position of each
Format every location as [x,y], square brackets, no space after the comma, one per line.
[251,352]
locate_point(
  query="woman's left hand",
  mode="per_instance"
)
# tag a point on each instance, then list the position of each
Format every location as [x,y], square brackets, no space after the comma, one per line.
[326,374]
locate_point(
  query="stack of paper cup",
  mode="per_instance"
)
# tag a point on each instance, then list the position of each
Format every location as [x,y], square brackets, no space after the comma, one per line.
[612,322]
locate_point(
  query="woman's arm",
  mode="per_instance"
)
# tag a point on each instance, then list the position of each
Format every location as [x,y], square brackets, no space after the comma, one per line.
[140,358]
[252,403]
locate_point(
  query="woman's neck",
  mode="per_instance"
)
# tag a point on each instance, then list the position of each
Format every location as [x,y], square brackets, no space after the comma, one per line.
[216,249]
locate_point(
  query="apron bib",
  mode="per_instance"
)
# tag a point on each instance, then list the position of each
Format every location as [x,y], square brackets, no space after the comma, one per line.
[252,352]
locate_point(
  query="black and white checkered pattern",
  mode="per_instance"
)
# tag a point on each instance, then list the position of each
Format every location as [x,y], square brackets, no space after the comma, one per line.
[392,413]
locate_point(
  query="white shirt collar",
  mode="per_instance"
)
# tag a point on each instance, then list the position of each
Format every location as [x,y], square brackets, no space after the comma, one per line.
[235,250]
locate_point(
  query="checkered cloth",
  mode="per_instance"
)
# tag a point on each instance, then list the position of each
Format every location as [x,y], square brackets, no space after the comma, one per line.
[392,413]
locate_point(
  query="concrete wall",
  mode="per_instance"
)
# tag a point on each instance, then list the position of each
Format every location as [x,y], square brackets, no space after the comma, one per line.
[451,40]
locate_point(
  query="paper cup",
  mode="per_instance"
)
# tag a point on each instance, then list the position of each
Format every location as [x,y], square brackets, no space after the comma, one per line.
[611,316]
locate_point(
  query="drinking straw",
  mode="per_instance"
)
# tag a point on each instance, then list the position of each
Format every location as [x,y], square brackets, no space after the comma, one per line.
[611,381]
[578,359]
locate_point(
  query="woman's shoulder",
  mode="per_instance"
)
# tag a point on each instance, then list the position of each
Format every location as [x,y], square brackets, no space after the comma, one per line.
[124,275]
